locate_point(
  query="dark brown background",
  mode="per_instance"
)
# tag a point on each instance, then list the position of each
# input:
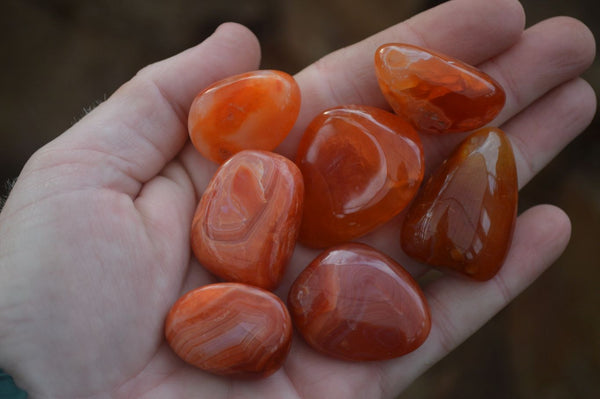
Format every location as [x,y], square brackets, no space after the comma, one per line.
[61,57]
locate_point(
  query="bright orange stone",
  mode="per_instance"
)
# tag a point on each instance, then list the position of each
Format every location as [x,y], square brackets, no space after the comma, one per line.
[230,329]
[247,221]
[361,167]
[254,110]
[355,303]
[464,217]
[436,93]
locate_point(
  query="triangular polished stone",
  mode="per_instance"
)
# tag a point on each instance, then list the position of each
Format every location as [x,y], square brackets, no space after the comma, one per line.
[464,217]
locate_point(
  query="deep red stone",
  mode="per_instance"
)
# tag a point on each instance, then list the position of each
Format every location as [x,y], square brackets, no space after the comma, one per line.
[230,329]
[464,217]
[437,93]
[247,221]
[361,166]
[355,303]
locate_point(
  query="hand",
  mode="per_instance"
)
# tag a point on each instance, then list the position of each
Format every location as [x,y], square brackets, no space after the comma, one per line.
[94,238]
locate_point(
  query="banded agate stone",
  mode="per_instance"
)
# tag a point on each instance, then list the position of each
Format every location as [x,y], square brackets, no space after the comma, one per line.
[247,222]
[355,303]
[253,110]
[437,93]
[464,217]
[361,166]
[230,329]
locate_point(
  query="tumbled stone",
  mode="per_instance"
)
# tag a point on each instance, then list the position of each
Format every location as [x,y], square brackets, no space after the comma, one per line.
[254,110]
[230,329]
[464,217]
[437,93]
[355,303]
[361,166]
[246,224]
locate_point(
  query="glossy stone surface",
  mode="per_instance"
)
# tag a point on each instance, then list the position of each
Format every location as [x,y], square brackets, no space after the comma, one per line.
[230,329]
[438,94]
[254,110]
[246,224]
[464,217]
[355,303]
[361,166]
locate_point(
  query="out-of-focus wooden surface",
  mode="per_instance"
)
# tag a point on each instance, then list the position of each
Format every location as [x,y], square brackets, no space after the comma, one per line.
[61,57]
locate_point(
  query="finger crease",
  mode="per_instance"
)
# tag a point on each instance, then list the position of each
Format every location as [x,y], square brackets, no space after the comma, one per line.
[175,107]
[444,324]
[503,289]
[510,85]
[522,157]
[420,39]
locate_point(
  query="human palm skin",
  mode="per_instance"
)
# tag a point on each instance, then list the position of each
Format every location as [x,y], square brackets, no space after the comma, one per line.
[94,238]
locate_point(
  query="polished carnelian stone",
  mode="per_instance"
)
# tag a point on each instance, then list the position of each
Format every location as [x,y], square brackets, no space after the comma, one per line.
[361,166]
[255,110]
[355,303]
[464,217]
[230,329]
[436,93]
[246,224]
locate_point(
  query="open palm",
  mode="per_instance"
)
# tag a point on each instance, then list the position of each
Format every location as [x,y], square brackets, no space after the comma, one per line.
[94,239]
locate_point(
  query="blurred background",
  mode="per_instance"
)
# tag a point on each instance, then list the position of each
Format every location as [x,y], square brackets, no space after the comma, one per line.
[62,57]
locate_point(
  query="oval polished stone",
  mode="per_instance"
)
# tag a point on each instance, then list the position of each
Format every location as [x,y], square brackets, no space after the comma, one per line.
[230,329]
[254,110]
[436,93]
[464,217]
[246,224]
[355,303]
[361,166]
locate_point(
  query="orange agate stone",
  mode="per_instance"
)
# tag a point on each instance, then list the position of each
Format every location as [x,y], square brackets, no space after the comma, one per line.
[247,221]
[230,329]
[254,110]
[436,93]
[361,166]
[464,217]
[355,303]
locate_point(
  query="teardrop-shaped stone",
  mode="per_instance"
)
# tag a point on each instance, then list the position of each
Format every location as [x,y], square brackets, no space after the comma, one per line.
[246,224]
[464,217]
[251,111]
[355,303]
[361,166]
[435,92]
[230,329]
